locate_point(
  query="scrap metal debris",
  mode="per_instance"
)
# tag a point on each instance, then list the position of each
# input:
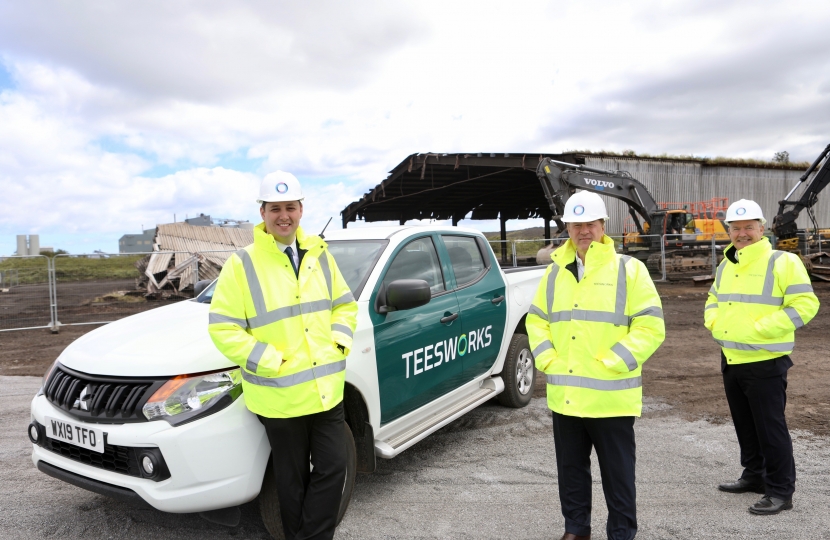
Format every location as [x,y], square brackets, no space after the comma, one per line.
[187,254]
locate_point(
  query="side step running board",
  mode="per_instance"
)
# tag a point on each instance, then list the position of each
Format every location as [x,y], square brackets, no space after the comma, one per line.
[395,445]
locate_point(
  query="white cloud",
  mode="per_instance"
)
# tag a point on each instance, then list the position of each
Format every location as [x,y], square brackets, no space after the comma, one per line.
[106,97]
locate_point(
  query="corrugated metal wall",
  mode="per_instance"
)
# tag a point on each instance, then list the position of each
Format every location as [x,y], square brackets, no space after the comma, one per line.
[685,182]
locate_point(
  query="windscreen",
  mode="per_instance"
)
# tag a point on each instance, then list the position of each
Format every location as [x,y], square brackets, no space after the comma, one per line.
[355,258]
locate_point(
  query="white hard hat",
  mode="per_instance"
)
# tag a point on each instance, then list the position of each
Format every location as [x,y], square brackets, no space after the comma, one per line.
[744,209]
[584,206]
[280,186]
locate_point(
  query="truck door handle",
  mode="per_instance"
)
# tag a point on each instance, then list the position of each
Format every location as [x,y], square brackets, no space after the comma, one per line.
[449,318]
[498,299]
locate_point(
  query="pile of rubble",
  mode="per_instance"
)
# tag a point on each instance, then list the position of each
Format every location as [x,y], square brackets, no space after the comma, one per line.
[187,254]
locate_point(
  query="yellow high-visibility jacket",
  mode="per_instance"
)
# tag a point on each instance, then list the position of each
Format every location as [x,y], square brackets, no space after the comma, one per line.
[592,337]
[755,306]
[282,330]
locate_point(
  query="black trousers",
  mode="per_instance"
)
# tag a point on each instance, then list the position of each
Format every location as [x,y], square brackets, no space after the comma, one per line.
[757,396]
[613,439]
[309,500]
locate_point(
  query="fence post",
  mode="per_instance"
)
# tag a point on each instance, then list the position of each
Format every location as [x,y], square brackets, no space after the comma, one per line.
[515,261]
[53,296]
[663,254]
[714,256]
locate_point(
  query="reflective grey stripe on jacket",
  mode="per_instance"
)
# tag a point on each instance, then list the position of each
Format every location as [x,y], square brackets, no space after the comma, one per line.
[324,264]
[345,299]
[264,317]
[342,328]
[216,318]
[255,356]
[794,317]
[620,350]
[800,288]
[617,317]
[546,345]
[595,384]
[765,298]
[296,378]
[771,347]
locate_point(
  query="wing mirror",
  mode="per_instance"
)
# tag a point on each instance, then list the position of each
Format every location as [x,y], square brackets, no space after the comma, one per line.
[201,286]
[404,294]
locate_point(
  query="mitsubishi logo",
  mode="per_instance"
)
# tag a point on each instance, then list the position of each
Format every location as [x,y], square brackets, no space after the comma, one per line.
[81,402]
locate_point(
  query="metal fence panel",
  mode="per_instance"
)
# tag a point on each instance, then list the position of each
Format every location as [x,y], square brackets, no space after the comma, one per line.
[25,293]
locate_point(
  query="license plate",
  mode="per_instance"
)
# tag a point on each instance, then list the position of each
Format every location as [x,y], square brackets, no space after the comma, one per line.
[72,433]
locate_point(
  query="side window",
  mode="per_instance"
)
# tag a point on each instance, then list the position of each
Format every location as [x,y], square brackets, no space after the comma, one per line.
[417,260]
[465,257]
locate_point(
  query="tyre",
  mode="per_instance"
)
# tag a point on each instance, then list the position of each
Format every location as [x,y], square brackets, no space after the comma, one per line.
[519,373]
[269,503]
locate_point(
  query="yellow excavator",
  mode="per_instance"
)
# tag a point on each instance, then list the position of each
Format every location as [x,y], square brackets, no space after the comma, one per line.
[680,236]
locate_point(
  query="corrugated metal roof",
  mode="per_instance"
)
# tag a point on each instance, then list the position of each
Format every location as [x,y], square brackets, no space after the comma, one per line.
[191,253]
[190,238]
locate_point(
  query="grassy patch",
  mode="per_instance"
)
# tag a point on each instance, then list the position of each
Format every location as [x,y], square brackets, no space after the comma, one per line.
[34,270]
[84,269]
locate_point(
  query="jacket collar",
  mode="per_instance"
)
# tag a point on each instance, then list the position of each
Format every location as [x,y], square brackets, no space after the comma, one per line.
[598,253]
[750,253]
[263,240]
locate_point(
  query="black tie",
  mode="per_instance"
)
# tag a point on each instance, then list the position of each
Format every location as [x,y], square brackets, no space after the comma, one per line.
[290,253]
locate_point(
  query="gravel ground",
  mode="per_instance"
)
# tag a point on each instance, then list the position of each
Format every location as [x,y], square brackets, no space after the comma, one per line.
[490,474]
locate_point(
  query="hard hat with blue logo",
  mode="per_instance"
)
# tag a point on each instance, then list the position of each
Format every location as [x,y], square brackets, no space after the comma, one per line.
[744,210]
[280,186]
[584,206]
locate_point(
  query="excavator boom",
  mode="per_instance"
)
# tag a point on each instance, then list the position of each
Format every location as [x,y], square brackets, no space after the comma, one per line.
[559,181]
[784,223]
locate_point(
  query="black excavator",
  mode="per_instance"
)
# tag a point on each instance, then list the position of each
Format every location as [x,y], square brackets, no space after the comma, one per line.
[788,236]
[689,244]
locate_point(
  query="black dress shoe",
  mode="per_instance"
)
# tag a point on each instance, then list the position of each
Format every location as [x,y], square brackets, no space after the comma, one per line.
[742,486]
[768,506]
[572,536]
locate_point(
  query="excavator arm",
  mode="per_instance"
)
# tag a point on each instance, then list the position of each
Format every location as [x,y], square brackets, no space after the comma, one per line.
[783,224]
[560,180]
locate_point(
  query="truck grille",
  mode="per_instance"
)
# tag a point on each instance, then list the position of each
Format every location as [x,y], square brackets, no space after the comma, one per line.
[119,459]
[99,399]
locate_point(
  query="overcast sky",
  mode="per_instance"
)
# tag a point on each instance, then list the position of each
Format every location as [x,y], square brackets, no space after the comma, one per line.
[118,115]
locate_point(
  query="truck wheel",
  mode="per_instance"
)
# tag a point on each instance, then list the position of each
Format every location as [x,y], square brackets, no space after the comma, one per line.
[269,503]
[519,373]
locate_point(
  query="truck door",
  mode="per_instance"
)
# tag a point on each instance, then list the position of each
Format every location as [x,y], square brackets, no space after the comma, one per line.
[416,349]
[480,289]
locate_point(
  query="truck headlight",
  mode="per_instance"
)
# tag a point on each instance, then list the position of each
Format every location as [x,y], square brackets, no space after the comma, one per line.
[188,397]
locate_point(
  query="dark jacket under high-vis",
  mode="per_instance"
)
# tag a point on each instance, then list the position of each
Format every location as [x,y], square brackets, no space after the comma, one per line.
[592,337]
[283,329]
[756,304]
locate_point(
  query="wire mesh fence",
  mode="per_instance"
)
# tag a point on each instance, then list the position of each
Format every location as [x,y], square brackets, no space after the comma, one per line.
[26,294]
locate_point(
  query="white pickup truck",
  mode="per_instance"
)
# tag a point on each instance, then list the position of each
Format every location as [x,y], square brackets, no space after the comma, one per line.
[147,409]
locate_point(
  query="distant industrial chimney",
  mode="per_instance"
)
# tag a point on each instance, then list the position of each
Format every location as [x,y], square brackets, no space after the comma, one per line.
[32,247]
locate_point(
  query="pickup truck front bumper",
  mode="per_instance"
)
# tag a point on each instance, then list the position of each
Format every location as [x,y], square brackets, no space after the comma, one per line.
[215,462]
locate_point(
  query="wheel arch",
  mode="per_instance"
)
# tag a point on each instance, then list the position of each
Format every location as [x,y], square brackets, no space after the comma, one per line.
[357,417]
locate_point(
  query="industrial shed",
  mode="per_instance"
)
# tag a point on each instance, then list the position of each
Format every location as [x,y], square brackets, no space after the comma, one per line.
[505,187]
[189,253]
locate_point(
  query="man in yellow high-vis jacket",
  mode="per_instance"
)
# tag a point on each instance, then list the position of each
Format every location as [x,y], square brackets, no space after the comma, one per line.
[595,319]
[759,298]
[284,313]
